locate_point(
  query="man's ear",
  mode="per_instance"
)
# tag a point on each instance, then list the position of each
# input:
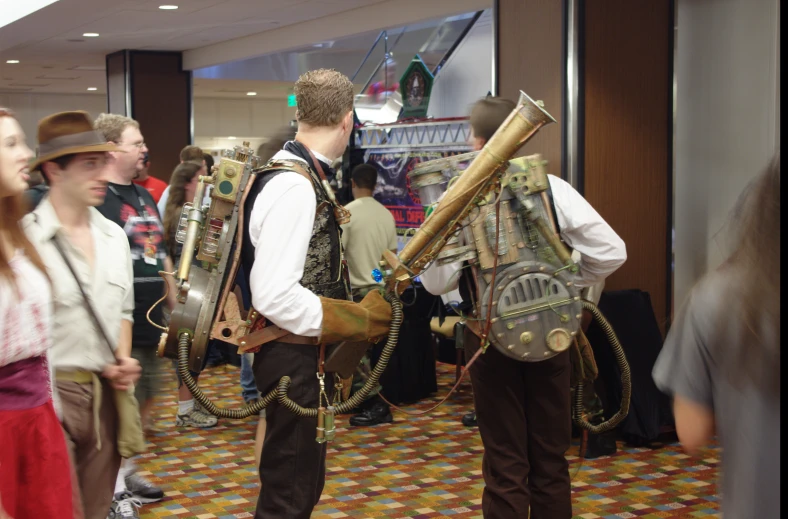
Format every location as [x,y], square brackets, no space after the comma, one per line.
[352,183]
[49,170]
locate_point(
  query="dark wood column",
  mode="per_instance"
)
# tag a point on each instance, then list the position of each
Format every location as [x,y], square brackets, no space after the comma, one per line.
[628,77]
[153,89]
[624,109]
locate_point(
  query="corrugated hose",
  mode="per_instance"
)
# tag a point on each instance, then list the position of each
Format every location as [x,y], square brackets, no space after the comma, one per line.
[626,380]
[280,393]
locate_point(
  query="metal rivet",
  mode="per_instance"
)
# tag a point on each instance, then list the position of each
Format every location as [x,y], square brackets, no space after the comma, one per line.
[569,283]
[510,347]
[541,269]
[546,353]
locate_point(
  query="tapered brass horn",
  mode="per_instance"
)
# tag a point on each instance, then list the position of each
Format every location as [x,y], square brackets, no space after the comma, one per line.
[522,124]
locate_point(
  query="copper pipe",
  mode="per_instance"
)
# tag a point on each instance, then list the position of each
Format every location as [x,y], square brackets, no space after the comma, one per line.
[522,124]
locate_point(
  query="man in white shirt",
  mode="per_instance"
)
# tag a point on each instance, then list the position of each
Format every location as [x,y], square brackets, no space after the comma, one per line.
[523,408]
[292,257]
[72,158]
[369,233]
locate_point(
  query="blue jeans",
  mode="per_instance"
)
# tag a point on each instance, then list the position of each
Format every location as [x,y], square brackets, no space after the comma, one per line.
[248,386]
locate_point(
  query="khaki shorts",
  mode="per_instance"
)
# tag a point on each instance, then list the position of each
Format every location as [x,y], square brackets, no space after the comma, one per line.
[150,383]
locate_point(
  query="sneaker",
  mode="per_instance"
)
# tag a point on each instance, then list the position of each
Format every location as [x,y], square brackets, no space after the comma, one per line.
[196,417]
[124,506]
[142,489]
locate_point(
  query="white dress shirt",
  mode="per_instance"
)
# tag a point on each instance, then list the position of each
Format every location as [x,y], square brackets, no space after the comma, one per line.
[601,250]
[280,228]
[76,343]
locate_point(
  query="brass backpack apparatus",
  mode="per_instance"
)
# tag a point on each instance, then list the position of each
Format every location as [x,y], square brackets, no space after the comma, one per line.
[206,307]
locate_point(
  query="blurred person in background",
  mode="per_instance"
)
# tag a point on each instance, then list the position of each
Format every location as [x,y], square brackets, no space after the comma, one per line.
[132,208]
[721,359]
[35,476]
[36,191]
[154,185]
[188,154]
[388,85]
[370,232]
[183,185]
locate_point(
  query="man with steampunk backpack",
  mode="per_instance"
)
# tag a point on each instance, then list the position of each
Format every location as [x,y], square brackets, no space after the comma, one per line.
[523,408]
[292,256]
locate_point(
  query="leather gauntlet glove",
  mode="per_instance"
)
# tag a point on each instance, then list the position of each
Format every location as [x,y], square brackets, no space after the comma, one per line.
[356,322]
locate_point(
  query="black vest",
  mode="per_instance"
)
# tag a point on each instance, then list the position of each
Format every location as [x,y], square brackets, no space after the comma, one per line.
[324,272]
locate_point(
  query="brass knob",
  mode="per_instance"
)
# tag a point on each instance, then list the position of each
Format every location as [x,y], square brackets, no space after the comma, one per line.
[526,337]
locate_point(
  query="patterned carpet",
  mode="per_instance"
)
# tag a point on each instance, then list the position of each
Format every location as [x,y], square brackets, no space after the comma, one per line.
[420,467]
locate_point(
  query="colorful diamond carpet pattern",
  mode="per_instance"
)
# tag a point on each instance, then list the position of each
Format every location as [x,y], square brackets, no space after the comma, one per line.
[419,467]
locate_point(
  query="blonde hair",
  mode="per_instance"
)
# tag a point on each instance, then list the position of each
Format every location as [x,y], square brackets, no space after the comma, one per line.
[323,97]
[113,125]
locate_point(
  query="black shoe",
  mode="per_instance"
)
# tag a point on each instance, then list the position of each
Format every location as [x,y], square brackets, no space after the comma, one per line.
[600,445]
[469,420]
[377,414]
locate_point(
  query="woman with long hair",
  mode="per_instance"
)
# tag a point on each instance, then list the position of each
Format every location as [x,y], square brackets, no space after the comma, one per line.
[721,360]
[35,479]
[183,185]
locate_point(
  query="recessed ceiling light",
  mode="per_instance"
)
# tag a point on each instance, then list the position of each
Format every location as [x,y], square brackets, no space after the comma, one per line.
[251,93]
[168,7]
[92,88]
[231,138]
[91,35]
[12,61]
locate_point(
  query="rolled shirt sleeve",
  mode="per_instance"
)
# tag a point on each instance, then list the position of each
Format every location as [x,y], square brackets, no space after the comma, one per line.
[127,310]
[601,250]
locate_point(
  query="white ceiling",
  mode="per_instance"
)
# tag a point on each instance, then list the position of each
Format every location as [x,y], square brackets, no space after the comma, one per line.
[55,57]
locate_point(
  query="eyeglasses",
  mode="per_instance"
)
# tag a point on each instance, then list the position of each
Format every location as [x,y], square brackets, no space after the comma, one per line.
[137,145]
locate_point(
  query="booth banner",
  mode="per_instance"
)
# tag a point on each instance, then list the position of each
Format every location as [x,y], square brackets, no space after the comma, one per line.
[394,190]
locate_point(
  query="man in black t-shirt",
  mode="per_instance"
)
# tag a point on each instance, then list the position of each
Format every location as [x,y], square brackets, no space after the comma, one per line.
[133,208]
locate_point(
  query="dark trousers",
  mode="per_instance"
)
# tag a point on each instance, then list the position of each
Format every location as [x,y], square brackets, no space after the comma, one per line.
[293,464]
[523,409]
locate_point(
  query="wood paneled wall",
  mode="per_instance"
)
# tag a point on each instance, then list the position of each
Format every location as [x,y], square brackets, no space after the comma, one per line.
[529,52]
[153,88]
[628,133]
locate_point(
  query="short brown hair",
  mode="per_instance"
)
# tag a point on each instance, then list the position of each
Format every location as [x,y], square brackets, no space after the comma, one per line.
[113,125]
[488,114]
[193,153]
[365,176]
[323,97]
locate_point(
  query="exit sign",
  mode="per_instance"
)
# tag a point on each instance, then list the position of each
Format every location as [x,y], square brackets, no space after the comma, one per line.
[291,100]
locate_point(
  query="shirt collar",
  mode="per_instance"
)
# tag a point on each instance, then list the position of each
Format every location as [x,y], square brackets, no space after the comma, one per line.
[46,217]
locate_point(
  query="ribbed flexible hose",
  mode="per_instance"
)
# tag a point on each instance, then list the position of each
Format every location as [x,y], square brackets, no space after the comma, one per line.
[626,380]
[280,393]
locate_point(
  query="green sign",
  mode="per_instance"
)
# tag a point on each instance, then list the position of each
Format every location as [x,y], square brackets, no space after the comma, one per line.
[291,101]
[415,86]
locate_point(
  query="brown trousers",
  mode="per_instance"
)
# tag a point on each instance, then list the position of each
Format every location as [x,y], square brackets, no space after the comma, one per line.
[524,415]
[293,464]
[96,470]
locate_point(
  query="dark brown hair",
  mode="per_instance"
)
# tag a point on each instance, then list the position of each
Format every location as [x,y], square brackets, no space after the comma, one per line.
[268,149]
[181,176]
[488,114]
[365,176]
[13,209]
[323,97]
[192,153]
[755,229]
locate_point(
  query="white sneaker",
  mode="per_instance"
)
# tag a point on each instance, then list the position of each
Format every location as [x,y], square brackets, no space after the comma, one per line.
[124,506]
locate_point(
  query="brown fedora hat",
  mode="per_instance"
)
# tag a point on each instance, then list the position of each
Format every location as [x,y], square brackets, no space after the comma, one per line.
[67,133]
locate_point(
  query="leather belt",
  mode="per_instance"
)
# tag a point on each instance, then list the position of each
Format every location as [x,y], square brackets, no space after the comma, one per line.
[263,333]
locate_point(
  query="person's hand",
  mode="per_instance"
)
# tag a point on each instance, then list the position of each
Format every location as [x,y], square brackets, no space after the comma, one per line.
[123,374]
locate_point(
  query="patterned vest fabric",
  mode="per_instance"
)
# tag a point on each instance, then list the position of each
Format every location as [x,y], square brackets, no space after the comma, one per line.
[324,272]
